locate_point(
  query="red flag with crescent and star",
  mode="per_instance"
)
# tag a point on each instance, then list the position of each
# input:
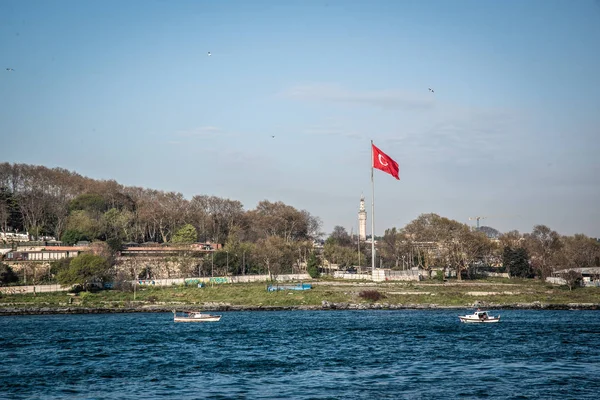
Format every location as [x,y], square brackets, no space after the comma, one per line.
[385,163]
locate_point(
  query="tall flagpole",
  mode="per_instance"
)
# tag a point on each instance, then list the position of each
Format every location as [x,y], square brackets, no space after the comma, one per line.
[372,218]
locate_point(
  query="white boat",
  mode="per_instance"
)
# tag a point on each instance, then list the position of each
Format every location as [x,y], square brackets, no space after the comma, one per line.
[479,317]
[194,316]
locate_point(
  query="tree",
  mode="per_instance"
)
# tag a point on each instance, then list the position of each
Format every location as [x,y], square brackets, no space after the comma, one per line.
[275,254]
[10,215]
[117,224]
[4,216]
[512,239]
[490,232]
[394,246]
[7,275]
[572,278]
[85,269]
[281,220]
[59,265]
[340,237]
[72,236]
[543,245]
[91,202]
[312,266]
[516,262]
[85,223]
[580,251]
[476,249]
[185,235]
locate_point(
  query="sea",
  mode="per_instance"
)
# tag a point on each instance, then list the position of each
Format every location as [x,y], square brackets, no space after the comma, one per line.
[374,354]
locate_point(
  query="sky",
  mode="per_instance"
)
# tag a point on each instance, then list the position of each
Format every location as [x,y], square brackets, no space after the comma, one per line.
[127,91]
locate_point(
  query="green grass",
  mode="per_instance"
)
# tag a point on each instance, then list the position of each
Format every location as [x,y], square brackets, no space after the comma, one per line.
[452,293]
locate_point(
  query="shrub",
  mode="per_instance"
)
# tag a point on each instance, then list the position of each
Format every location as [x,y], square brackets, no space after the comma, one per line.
[7,275]
[76,289]
[372,295]
[439,275]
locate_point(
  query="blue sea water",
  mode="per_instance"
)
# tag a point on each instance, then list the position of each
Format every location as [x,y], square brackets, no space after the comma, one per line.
[403,354]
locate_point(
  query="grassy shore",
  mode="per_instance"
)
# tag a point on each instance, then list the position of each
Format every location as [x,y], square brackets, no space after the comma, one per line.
[497,293]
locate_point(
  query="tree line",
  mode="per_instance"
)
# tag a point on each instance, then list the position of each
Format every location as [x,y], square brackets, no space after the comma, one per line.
[273,237]
[434,242]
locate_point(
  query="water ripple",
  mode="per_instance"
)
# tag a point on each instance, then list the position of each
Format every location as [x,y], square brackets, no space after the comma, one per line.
[403,354]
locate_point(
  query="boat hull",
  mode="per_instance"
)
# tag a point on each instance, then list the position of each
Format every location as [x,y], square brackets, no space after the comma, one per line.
[190,316]
[213,318]
[490,320]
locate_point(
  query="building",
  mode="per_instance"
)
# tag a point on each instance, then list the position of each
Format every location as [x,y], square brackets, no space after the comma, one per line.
[362,220]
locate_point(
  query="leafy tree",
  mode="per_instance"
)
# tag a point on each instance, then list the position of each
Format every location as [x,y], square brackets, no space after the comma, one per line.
[341,255]
[84,222]
[85,269]
[59,265]
[72,236]
[11,217]
[516,262]
[185,234]
[7,275]
[117,224]
[90,202]
[340,237]
[115,244]
[312,266]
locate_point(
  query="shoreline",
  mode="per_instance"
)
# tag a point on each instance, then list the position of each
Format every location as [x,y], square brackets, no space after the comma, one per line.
[326,306]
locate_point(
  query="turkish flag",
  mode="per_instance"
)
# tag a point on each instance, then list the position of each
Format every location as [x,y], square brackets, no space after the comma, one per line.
[385,163]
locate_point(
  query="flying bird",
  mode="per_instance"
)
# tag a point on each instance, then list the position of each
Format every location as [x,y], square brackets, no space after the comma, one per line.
[9,69]
[431,90]
[273,137]
[209,54]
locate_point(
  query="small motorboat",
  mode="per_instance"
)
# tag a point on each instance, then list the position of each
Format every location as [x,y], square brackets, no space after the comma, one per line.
[479,317]
[195,316]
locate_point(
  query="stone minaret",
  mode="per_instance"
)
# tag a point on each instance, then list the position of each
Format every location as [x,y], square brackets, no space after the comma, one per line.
[362,220]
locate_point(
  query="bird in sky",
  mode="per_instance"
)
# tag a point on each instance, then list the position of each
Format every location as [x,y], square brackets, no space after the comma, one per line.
[431,90]
[9,69]
[209,54]
[273,137]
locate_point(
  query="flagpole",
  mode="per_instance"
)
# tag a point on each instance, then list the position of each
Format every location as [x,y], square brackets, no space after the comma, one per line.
[372,218]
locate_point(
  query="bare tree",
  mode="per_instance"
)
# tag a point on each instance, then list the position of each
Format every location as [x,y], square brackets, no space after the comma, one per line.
[543,245]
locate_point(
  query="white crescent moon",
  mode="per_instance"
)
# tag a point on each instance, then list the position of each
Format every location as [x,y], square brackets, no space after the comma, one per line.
[381,161]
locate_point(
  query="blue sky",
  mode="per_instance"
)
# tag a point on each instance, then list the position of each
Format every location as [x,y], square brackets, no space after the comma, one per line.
[127,91]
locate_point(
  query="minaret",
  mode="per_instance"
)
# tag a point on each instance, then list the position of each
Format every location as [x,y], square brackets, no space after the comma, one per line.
[362,220]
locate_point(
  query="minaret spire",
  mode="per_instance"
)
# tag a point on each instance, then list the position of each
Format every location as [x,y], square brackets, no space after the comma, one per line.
[362,220]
